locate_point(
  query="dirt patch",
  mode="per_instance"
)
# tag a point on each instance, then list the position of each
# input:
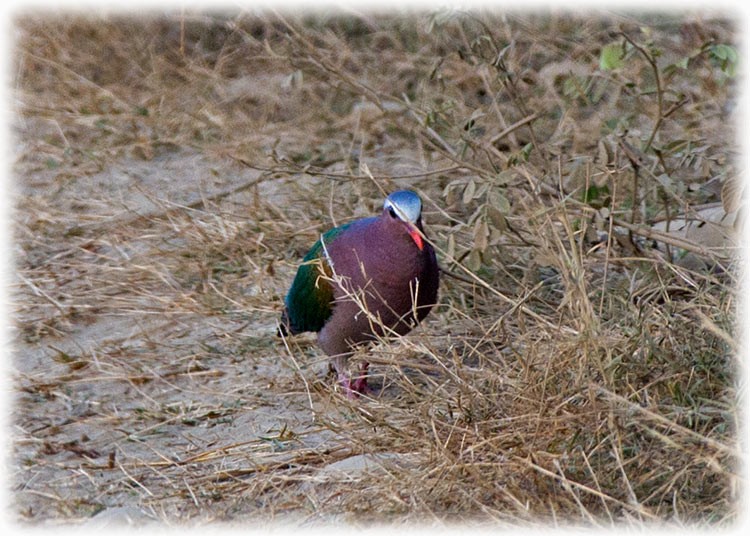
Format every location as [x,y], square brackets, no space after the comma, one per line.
[172,171]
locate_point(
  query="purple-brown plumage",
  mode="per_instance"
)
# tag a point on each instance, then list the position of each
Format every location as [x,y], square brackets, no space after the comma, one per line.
[383,278]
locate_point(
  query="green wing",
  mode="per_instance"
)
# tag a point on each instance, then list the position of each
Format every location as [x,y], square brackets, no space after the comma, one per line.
[309,300]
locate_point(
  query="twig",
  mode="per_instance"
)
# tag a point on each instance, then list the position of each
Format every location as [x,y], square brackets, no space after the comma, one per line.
[515,126]
[299,372]
[659,91]
[685,244]
[705,440]
[39,292]
[562,479]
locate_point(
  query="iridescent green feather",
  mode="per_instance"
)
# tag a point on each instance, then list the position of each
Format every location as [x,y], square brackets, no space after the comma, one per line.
[309,301]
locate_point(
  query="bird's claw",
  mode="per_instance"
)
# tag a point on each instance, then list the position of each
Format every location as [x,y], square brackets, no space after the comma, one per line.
[356,387]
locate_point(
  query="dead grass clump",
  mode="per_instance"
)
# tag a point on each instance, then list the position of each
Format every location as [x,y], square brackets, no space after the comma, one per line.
[172,171]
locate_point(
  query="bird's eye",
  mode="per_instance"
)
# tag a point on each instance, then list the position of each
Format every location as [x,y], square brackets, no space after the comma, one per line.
[392,212]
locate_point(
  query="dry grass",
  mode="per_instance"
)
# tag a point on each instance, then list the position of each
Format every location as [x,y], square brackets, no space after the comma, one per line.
[173,170]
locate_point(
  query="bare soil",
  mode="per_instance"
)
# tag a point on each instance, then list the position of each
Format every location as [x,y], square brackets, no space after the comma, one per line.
[172,170]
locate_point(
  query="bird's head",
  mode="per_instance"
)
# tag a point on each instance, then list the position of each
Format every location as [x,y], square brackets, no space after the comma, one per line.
[406,206]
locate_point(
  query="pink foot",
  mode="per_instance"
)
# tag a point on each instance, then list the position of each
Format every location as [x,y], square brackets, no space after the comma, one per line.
[360,383]
[356,387]
[348,386]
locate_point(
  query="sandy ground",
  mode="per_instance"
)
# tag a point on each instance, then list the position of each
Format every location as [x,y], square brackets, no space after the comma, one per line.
[135,401]
[114,396]
[150,386]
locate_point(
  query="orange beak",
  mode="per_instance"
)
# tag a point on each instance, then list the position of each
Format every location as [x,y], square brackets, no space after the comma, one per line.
[414,233]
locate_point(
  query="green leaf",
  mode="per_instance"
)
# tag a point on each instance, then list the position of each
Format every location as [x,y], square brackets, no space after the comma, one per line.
[726,56]
[471,187]
[497,218]
[611,57]
[720,51]
[526,151]
[481,235]
[451,248]
[474,261]
[573,87]
[505,176]
[595,194]
[665,180]
[499,201]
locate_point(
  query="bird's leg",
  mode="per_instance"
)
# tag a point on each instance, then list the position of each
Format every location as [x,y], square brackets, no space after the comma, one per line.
[339,365]
[359,385]
[348,386]
[353,387]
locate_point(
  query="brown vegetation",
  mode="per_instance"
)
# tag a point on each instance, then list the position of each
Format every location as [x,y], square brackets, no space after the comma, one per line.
[172,170]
